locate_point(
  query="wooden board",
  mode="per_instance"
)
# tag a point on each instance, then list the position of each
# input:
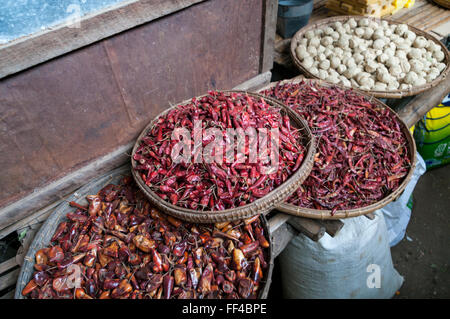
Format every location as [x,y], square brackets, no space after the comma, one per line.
[270,21]
[42,46]
[311,228]
[281,237]
[9,279]
[255,83]
[332,227]
[412,112]
[65,114]
[8,295]
[7,265]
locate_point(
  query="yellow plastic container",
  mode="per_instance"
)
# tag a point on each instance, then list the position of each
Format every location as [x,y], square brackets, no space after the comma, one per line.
[373,8]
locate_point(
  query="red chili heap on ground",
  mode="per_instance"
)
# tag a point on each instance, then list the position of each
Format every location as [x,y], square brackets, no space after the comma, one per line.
[214,186]
[124,248]
[362,153]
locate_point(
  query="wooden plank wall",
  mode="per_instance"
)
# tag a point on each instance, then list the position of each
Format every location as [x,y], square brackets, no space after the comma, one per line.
[72,34]
[62,114]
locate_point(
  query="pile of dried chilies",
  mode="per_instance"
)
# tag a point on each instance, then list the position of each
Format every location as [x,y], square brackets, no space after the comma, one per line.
[362,154]
[217,186]
[124,248]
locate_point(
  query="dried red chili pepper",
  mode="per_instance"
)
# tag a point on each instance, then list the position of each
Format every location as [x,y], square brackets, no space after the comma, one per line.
[362,153]
[217,110]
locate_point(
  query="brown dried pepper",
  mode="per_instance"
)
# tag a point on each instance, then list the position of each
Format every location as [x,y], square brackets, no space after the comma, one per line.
[152,256]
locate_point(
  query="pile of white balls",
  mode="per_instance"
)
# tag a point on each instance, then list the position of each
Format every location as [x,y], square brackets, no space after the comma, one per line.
[370,55]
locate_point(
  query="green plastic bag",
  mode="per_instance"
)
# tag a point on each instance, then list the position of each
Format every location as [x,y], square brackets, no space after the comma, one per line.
[432,135]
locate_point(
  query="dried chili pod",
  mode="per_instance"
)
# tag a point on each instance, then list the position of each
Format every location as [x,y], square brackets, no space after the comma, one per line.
[168,282]
[41,256]
[227,287]
[91,257]
[143,243]
[109,284]
[179,274]
[245,288]
[154,282]
[124,288]
[32,285]
[55,254]
[62,227]
[94,204]
[81,294]
[152,259]
[249,248]
[239,260]
[204,286]
[178,249]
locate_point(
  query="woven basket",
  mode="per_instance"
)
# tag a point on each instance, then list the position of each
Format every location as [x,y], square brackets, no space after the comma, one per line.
[45,233]
[260,206]
[443,3]
[396,94]
[326,214]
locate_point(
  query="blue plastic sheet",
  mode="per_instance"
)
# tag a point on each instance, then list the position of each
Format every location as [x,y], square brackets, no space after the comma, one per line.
[20,18]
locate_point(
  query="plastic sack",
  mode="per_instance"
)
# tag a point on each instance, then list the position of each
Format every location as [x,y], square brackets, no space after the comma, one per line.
[398,213]
[432,135]
[356,263]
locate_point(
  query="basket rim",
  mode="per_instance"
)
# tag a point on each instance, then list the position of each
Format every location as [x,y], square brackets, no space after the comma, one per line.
[259,206]
[443,3]
[45,232]
[394,94]
[346,213]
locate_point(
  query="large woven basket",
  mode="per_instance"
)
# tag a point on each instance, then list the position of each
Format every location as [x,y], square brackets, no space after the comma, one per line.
[260,206]
[396,94]
[444,3]
[326,214]
[45,233]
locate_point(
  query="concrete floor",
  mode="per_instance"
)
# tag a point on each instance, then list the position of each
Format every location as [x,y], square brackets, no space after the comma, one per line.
[423,256]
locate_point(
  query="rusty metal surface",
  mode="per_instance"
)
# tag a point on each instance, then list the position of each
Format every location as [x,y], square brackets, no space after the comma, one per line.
[60,115]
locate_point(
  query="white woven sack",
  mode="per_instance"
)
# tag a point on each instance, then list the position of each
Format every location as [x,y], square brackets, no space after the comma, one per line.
[397,213]
[356,263]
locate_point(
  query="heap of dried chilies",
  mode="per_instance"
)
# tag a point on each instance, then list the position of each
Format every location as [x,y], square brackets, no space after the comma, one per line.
[217,186]
[124,248]
[362,154]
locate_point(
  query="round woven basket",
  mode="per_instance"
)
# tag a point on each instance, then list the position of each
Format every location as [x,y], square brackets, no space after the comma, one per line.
[396,94]
[326,214]
[260,206]
[45,233]
[443,3]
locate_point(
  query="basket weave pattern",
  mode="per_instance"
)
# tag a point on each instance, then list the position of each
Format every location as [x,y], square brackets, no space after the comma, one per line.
[395,94]
[326,214]
[443,3]
[259,206]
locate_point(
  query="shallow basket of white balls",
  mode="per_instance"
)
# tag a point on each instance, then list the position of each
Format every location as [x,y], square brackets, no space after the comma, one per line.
[386,58]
